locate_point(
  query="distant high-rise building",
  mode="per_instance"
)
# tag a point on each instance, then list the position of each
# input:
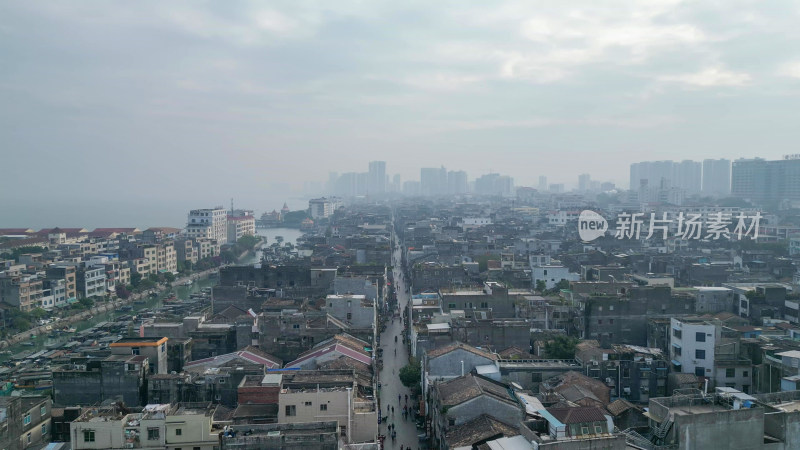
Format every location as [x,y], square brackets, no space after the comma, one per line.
[397,183]
[377,178]
[209,223]
[557,188]
[457,182]
[433,181]
[760,180]
[717,177]
[411,188]
[542,183]
[584,182]
[686,175]
[495,184]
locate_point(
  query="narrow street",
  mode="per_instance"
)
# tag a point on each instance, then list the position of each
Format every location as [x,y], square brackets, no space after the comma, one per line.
[389,375]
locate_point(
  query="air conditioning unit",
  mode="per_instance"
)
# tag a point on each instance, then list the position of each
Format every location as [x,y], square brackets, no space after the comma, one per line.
[129,445]
[595,363]
[609,380]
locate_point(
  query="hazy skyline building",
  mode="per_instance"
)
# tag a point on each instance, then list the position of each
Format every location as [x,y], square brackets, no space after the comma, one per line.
[457,182]
[433,181]
[717,177]
[584,182]
[377,178]
[760,180]
[542,183]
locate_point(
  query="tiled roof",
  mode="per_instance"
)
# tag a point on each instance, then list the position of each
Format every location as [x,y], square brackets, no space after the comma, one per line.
[458,390]
[458,345]
[341,349]
[479,429]
[249,354]
[578,415]
[619,406]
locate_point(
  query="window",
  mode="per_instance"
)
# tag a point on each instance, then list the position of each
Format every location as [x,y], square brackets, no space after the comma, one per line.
[323,406]
[43,411]
[451,422]
[135,350]
[730,373]
[598,429]
[29,438]
[163,348]
[700,371]
[611,321]
[88,435]
[152,434]
[27,419]
[610,307]
[451,305]
[584,430]
[44,429]
[178,432]
[296,326]
[676,333]
[626,372]
[700,354]
[700,336]
[745,373]
[307,403]
[484,305]
[746,388]
[349,316]
[599,321]
[291,411]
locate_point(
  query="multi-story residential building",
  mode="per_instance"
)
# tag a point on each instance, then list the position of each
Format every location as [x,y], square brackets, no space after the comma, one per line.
[92,381]
[717,177]
[155,235]
[308,396]
[185,250]
[22,291]
[210,223]
[68,273]
[25,421]
[761,180]
[53,294]
[184,425]
[238,226]
[167,258]
[155,349]
[324,207]
[356,310]
[207,248]
[552,275]
[705,349]
[92,281]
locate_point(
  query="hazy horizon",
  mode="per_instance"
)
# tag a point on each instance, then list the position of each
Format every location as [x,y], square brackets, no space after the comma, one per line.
[112,109]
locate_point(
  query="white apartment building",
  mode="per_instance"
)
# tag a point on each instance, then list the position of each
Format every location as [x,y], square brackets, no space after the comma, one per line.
[692,345]
[157,426]
[323,207]
[94,284]
[358,418]
[560,218]
[239,226]
[54,295]
[552,274]
[210,223]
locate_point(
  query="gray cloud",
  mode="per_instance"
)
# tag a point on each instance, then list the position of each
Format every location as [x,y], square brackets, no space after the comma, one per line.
[152,99]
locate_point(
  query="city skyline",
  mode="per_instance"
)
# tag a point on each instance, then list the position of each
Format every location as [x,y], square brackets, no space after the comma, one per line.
[269,97]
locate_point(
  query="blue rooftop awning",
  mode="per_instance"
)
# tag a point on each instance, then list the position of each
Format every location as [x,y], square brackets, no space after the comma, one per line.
[676,345]
[676,363]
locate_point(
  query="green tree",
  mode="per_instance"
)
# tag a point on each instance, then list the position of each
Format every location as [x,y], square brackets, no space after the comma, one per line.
[136,278]
[38,313]
[247,242]
[86,302]
[541,286]
[561,347]
[563,284]
[122,292]
[169,277]
[411,373]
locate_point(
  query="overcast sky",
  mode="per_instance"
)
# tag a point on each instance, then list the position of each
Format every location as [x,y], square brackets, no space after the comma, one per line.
[132,101]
